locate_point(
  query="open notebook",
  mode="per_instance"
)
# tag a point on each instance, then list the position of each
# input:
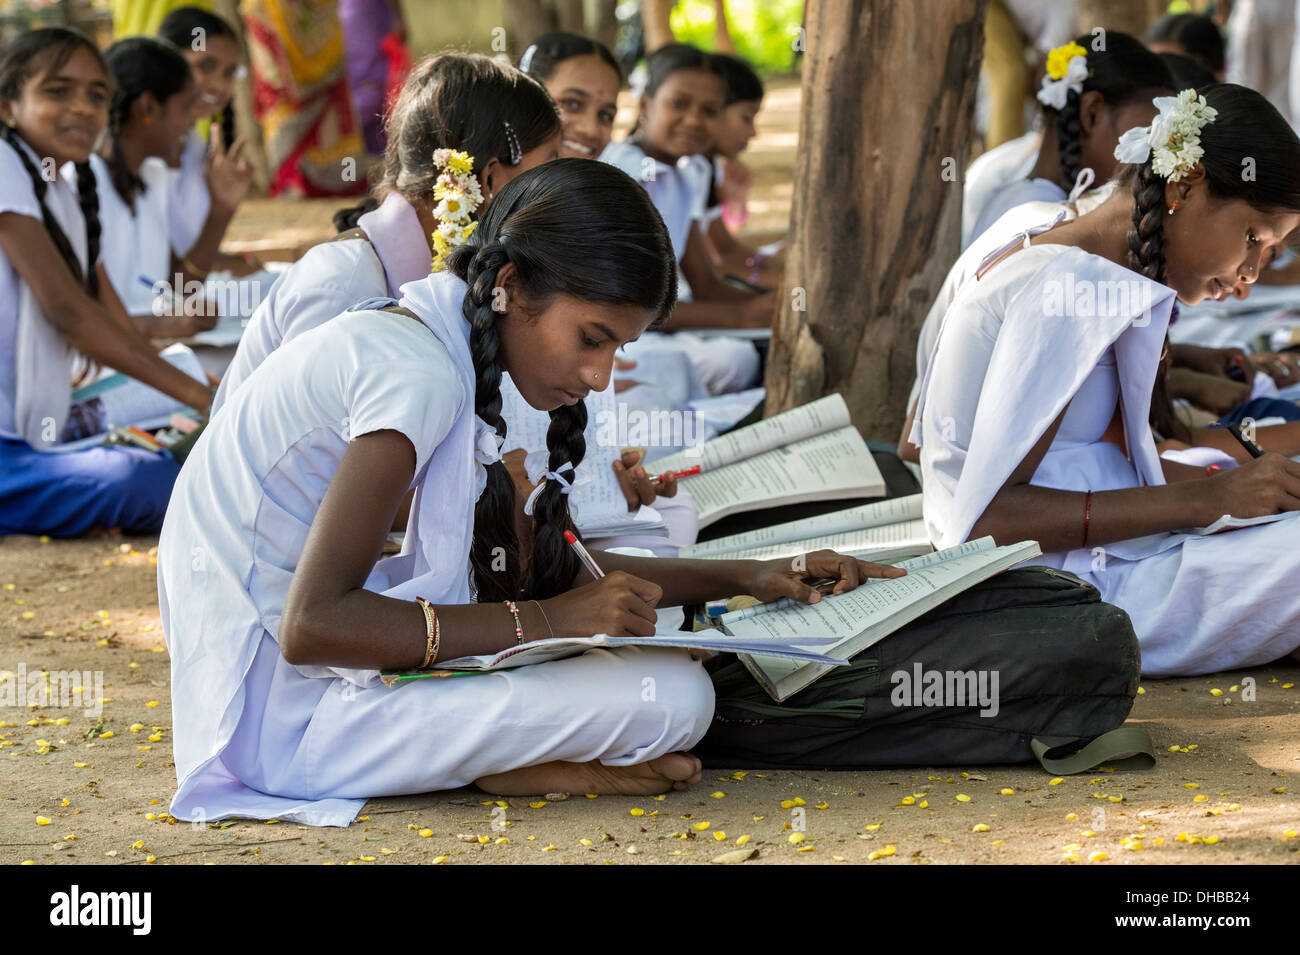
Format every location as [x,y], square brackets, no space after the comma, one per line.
[810,453]
[542,651]
[883,530]
[862,617]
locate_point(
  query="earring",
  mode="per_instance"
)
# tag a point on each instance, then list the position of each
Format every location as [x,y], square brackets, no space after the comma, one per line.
[148,120]
[1174,206]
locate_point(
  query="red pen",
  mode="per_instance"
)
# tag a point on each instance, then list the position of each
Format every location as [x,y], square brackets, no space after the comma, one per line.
[688,472]
[583,556]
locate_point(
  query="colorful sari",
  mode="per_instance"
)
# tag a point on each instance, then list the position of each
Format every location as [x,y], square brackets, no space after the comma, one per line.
[300,94]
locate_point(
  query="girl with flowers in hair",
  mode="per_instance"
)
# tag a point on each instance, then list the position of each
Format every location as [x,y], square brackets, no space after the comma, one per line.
[1033,414]
[1095,87]
[279,618]
[499,120]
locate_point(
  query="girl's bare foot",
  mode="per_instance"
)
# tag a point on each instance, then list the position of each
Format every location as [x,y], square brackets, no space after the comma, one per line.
[672,771]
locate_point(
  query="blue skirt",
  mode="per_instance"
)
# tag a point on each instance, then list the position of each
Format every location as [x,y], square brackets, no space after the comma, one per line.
[68,494]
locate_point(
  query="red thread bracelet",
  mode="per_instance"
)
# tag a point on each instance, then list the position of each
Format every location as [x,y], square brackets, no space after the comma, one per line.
[1087,516]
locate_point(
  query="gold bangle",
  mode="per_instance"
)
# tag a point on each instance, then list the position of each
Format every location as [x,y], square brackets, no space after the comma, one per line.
[547,619]
[433,632]
[193,269]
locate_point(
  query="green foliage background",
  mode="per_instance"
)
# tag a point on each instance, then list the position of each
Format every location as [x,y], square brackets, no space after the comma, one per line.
[763,31]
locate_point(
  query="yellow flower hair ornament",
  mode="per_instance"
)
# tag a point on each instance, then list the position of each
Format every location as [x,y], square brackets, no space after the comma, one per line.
[1067,69]
[458,196]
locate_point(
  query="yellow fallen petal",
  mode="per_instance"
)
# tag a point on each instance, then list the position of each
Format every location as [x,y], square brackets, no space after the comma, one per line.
[872,826]
[42,821]
[1055,782]
[1006,792]
[1098,857]
[439,860]
[28,615]
[425,833]
[1200,798]
[822,805]
[907,801]
[150,816]
[980,827]
[1073,815]
[1142,690]
[156,738]
[484,840]
[536,805]
[718,795]
[962,797]
[997,842]
[152,703]
[637,812]
[1216,692]
[743,840]
[108,734]
[699,826]
[1211,840]
[720,836]
[787,803]
[501,841]
[138,844]
[881,853]
[548,848]
[795,837]
[806,849]
[151,859]
[81,765]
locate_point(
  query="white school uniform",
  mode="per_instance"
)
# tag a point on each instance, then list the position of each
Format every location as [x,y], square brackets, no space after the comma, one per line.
[722,364]
[992,170]
[1005,367]
[1027,219]
[36,364]
[1014,194]
[255,736]
[134,243]
[188,198]
[327,281]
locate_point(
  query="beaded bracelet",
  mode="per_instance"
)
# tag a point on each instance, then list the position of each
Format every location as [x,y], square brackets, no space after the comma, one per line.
[514,611]
[433,631]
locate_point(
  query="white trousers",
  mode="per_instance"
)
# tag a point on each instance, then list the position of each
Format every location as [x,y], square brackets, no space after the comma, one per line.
[321,738]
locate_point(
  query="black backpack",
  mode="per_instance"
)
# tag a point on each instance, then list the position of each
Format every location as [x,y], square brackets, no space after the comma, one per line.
[1066,666]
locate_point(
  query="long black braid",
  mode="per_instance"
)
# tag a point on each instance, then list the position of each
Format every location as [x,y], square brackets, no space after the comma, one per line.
[1069,141]
[60,239]
[139,65]
[1146,249]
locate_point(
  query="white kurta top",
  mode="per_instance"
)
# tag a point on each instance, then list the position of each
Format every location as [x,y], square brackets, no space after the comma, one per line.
[1008,362]
[35,363]
[1013,194]
[992,170]
[242,508]
[327,281]
[134,244]
[188,200]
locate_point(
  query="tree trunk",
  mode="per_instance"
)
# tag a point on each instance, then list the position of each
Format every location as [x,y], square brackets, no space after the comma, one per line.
[884,129]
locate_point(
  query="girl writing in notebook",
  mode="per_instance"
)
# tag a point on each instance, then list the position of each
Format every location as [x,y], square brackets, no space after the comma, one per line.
[679,117]
[278,617]
[1089,97]
[209,163]
[57,307]
[1033,424]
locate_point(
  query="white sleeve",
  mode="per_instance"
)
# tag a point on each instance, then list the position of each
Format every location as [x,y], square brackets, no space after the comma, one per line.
[16,191]
[416,396]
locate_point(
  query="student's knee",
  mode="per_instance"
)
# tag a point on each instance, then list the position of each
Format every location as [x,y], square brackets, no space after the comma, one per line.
[678,685]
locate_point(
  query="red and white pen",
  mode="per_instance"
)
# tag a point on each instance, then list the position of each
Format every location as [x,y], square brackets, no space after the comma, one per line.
[688,472]
[583,556]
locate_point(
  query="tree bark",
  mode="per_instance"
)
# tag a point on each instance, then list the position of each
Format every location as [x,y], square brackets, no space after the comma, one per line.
[884,129]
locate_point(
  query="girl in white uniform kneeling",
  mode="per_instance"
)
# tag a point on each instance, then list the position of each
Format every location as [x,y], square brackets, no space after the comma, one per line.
[268,581]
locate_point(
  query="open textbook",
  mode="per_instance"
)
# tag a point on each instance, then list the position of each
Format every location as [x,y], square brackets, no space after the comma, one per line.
[810,453]
[1229,523]
[859,618]
[883,530]
[556,648]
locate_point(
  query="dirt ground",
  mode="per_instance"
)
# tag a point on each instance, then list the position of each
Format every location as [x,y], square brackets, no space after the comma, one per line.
[1230,790]
[1223,789]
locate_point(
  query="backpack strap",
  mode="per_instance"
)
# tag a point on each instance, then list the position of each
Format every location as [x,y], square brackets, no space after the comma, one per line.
[1127,748]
